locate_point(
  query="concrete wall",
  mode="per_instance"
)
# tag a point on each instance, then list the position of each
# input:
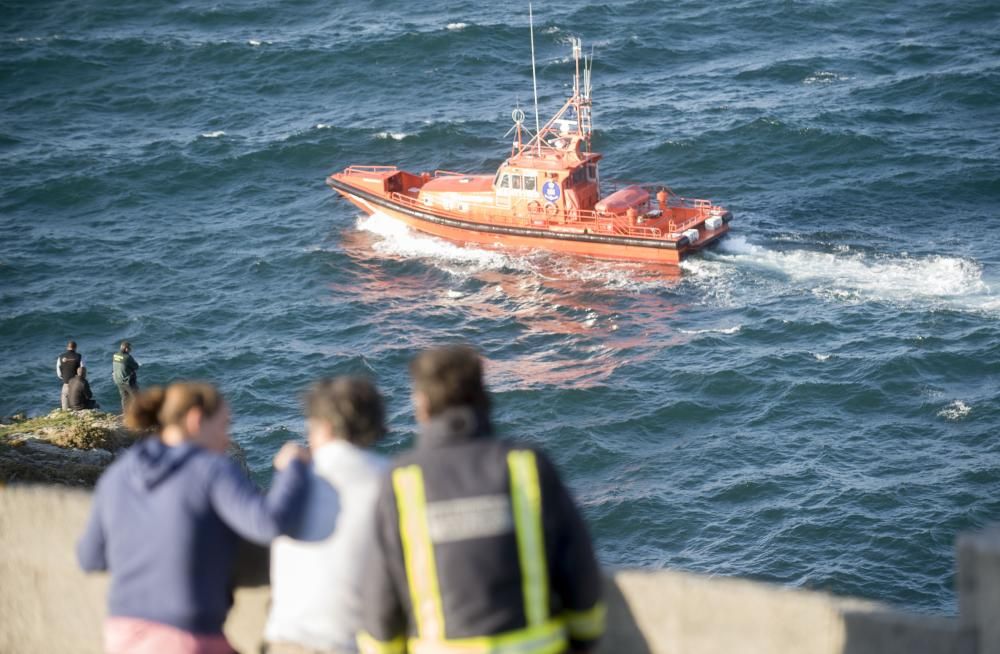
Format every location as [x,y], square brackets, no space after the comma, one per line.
[48,605]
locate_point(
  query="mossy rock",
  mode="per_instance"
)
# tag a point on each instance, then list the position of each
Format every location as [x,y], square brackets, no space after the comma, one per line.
[83,430]
[64,447]
[69,447]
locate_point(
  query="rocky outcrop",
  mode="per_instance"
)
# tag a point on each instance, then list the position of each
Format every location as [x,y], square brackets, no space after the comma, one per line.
[71,448]
[65,447]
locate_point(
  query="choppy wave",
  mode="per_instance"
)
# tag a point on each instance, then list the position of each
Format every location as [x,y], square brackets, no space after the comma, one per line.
[957,410]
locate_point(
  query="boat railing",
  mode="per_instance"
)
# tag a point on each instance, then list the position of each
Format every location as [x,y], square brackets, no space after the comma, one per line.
[581,220]
[673,200]
[370,169]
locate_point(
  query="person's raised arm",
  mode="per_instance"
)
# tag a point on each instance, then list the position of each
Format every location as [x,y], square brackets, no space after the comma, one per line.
[256,517]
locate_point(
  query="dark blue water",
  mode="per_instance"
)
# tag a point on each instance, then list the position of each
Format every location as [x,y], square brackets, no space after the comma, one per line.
[814,403]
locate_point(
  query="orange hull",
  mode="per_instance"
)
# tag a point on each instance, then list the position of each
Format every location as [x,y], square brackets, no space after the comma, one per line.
[597,250]
[566,237]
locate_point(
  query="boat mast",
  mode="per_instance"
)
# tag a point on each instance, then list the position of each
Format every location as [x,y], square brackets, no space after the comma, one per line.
[534,79]
[578,105]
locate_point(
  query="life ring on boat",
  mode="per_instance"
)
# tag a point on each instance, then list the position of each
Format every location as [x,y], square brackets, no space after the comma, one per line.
[551,210]
[534,206]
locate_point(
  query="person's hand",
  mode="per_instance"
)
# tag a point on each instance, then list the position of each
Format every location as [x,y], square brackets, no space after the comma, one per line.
[288,453]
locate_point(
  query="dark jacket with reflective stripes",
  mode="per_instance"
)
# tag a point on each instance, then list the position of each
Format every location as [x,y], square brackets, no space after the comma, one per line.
[476,554]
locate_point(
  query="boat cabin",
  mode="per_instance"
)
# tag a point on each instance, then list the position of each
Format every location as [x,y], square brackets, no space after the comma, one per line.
[559,179]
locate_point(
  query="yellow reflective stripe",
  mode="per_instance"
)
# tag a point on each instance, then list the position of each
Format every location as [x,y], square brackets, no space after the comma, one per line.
[526,500]
[418,552]
[546,638]
[368,644]
[586,625]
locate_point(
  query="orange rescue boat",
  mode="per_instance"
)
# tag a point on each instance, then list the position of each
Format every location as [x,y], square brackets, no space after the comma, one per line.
[546,195]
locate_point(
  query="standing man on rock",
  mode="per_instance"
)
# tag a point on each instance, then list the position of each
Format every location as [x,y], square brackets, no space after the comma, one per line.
[66,367]
[123,371]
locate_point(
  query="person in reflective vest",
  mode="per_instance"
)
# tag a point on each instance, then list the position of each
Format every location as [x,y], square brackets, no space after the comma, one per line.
[479,547]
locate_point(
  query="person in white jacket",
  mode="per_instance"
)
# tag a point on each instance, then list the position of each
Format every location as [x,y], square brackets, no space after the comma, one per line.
[316,572]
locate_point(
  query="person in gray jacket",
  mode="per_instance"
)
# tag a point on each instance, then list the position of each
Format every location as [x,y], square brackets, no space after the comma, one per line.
[478,545]
[317,570]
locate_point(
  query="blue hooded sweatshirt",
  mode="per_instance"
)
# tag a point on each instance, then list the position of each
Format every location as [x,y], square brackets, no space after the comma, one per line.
[165,522]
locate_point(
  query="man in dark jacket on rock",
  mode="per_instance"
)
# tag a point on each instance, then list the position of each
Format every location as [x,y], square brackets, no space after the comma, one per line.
[478,547]
[124,371]
[66,366]
[80,396]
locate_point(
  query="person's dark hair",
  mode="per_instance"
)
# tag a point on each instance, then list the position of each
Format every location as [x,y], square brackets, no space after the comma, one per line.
[71,345]
[352,406]
[125,346]
[158,407]
[450,376]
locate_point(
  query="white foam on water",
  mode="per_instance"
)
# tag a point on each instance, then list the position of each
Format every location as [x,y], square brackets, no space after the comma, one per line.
[254,42]
[454,295]
[323,126]
[456,26]
[398,239]
[846,276]
[395,136]
[213,135]
[955,411]
[825,77]
[716,330]
[821,357]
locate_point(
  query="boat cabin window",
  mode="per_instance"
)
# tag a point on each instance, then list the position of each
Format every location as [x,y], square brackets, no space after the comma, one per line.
[579,177]
[530,183]
[505,181]
[592,172]
[515,182]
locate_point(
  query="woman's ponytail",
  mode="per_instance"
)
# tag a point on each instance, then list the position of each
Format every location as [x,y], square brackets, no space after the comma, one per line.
[143,413]
[159,407]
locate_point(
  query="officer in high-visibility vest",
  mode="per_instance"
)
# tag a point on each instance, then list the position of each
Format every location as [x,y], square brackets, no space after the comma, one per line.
[479,548]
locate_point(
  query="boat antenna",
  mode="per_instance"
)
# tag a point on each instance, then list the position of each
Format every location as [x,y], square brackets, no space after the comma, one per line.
[534,79]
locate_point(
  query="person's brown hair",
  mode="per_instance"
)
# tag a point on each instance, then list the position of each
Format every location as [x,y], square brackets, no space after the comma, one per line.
[450,376]
[158,407]
[352,406]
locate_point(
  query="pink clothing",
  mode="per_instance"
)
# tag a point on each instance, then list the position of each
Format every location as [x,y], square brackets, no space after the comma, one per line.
[135,636]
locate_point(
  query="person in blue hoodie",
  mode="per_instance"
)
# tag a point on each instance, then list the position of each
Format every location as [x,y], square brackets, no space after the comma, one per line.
[166,518]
